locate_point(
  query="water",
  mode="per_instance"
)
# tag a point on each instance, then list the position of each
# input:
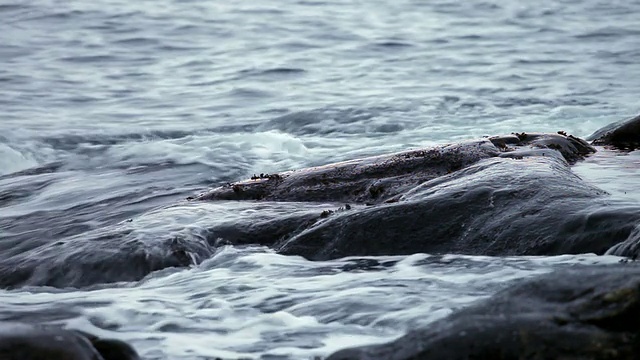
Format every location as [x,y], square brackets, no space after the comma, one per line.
[116,110]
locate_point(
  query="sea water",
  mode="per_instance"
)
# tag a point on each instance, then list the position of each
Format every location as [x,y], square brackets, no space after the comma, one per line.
[116,110]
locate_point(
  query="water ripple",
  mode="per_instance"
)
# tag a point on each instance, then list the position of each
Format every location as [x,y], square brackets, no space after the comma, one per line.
[113,109]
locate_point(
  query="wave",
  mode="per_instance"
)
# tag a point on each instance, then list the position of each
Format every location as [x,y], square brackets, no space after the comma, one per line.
[13,160]
[252,303]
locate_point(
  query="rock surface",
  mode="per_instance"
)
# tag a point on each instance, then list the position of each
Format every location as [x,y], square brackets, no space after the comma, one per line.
[379,179]
[370,180]
[622,135]
[532,205]
[99,257]
[580,313]
[630,247]
[504,195]
[512,194]
[19,341]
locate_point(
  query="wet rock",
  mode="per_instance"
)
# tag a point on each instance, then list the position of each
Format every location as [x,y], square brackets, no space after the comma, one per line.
[580,313]
[529,204]
[129,251]
[266,229]
[19,341]
[103,256]
[630,247]
[379,179]
[622,135]
[373,179]
[111,349]
[495,186]
[504,195]
[570,147]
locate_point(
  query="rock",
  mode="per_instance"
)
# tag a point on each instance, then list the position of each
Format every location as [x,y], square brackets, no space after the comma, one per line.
[622,135]
[19,341]
[387,192]
[379,179]
[129,251]
[523,203]
[103,256]
[371,180]
[579,313]
[504,195]
[111,349]
[630,247]
[570,147]
[267,229]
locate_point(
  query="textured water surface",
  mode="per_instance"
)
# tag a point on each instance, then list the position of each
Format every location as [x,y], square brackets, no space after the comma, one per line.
[250,302]
[111,112]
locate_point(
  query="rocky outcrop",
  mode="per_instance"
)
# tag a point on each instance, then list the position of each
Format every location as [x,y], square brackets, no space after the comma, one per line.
[379,179]
[630,247]
[622,135]
[370,180]
[103,256]
[529,205]
[504,195]
[581,313]
[19,341]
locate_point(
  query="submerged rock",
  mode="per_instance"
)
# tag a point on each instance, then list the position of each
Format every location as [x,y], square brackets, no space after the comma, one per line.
[622,135]
[19,341]
[580,313]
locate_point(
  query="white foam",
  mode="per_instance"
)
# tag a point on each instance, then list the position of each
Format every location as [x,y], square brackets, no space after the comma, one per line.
[12,160]
[252,302]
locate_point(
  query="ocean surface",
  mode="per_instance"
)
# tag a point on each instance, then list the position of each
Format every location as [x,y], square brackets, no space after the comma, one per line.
[113,112]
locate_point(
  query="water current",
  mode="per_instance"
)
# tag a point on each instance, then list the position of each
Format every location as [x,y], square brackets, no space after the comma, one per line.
[112,112]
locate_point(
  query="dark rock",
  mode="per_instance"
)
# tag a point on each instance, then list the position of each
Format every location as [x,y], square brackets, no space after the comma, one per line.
[379,179]
[19,341]
[569,146]
[529,204]
[389,194]
[119,253]
[98,257]
[581,313]
[479,197]
[371,179]
[505,195]
[630,247]
[272,224]
[622,135]
[111,349]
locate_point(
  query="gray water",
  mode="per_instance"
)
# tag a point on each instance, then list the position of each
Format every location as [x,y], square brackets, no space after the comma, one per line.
[113,111]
